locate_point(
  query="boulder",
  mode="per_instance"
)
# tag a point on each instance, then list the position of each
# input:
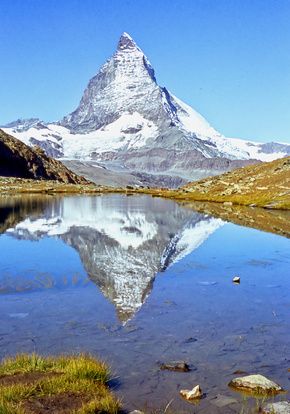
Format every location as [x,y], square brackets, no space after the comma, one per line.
[257,384]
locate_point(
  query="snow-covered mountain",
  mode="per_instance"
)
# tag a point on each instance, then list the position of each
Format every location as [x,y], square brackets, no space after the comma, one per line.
[127,119]
[122,242]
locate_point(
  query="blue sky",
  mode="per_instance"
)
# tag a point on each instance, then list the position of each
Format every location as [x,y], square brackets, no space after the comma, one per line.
[229,59]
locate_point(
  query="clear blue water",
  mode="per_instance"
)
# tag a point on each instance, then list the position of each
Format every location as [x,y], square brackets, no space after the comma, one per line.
[139,281]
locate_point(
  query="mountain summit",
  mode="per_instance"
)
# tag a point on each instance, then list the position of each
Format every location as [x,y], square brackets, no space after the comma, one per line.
[126,42]
[130,123]
[124,97]
[125,84]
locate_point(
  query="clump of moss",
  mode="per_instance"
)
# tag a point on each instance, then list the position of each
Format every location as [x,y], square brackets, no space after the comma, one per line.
[65,384]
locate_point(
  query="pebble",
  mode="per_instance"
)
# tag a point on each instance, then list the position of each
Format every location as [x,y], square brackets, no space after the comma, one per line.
[236,279]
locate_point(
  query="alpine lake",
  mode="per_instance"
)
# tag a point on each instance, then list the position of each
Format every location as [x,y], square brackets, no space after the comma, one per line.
[142,281]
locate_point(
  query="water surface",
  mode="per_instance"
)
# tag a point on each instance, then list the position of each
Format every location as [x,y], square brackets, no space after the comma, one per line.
[140,281]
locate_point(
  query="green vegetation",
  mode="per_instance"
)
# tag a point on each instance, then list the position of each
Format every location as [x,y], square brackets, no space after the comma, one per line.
[65,384]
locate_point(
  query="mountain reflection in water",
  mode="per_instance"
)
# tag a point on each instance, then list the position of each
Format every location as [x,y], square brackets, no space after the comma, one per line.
[123,242]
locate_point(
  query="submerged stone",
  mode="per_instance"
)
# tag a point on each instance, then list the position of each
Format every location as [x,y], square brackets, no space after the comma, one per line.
[240,372]
[179,366]
[221,401]
[257,384]
[282,407]
[190,340]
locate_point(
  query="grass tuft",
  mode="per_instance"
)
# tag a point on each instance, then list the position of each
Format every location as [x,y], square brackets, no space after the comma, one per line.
[79,378]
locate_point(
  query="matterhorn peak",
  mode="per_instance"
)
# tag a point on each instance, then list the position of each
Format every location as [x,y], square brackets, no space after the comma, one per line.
[126,118]
[125,84]
[126,42]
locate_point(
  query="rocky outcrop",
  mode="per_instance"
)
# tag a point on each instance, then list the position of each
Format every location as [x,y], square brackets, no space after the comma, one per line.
[19,160]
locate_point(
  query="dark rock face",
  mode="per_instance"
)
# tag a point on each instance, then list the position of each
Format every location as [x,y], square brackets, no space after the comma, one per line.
[19,160]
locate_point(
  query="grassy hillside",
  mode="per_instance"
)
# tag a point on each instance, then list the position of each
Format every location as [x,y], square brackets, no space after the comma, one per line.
[263,185]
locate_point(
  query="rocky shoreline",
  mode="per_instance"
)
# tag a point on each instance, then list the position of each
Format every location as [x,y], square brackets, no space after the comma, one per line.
[80,384]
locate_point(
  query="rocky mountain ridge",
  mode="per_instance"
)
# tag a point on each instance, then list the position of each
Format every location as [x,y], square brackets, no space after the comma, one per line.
[128,122]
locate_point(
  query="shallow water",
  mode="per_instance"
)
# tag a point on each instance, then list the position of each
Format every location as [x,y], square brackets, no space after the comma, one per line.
[140,281]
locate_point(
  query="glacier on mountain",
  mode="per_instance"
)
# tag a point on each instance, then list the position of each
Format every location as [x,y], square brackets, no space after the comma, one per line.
[125,117]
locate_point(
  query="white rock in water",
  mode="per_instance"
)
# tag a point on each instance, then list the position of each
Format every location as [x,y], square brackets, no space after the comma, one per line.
[191,394]
[282,407]
[236,279]
[256,383]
